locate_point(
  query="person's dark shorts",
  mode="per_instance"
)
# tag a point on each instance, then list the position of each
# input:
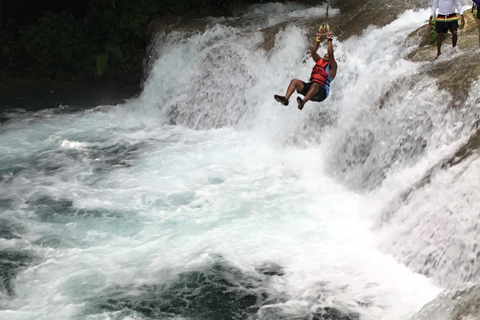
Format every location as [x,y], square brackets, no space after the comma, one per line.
[478,12]
[445,23]
[320,96]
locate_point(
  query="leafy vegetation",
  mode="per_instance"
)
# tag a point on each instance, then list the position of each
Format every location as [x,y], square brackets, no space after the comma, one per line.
[433,32]
[68,39]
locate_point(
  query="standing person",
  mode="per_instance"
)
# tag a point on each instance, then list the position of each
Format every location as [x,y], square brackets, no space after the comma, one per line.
[323,73]
[446,20]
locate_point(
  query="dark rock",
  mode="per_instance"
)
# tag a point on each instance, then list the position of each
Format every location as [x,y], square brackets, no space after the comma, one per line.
[457,304]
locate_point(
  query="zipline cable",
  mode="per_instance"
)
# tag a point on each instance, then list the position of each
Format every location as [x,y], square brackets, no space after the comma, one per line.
[325,26]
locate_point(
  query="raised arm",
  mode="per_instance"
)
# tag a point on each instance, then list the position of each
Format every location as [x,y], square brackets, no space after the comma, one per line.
[313,52]
[331,58]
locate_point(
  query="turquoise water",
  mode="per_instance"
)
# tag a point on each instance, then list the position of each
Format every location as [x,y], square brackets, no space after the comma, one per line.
[205,199]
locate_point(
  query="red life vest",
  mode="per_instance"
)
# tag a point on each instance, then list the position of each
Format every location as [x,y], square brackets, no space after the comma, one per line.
[319,73]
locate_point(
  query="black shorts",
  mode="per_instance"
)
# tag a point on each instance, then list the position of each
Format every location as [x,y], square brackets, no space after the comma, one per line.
[443,25]
[320,96]
[478,12]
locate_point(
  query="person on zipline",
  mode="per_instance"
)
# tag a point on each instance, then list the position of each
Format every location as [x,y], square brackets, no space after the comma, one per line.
[323,73]
[446,20]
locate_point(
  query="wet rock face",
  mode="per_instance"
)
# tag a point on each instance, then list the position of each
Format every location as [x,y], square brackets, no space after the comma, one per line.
[467,39]
[459,304]
[356,16]
[456,74]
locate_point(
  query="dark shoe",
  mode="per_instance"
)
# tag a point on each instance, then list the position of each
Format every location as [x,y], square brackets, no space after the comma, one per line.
[281,99]
[300,103]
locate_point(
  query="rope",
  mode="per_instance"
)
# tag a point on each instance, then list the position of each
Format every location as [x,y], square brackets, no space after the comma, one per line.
[325,26]
[326,15]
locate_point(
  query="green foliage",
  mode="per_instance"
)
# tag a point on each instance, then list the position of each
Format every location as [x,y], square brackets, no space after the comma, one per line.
[102,61]
[72,38]
[176,6]
[433,33]
[2,34]
[113,48]
[55,45]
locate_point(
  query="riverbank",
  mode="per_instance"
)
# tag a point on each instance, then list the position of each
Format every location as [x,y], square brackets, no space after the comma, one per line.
[31,95]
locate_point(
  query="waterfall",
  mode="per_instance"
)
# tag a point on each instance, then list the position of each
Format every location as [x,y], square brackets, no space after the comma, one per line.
[204,198]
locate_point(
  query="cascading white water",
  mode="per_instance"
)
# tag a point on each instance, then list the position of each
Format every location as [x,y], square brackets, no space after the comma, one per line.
[206,199]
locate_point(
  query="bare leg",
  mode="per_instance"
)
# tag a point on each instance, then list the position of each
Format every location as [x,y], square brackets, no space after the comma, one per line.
[454,38]
[295,84]
[313,91]
[439,44]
